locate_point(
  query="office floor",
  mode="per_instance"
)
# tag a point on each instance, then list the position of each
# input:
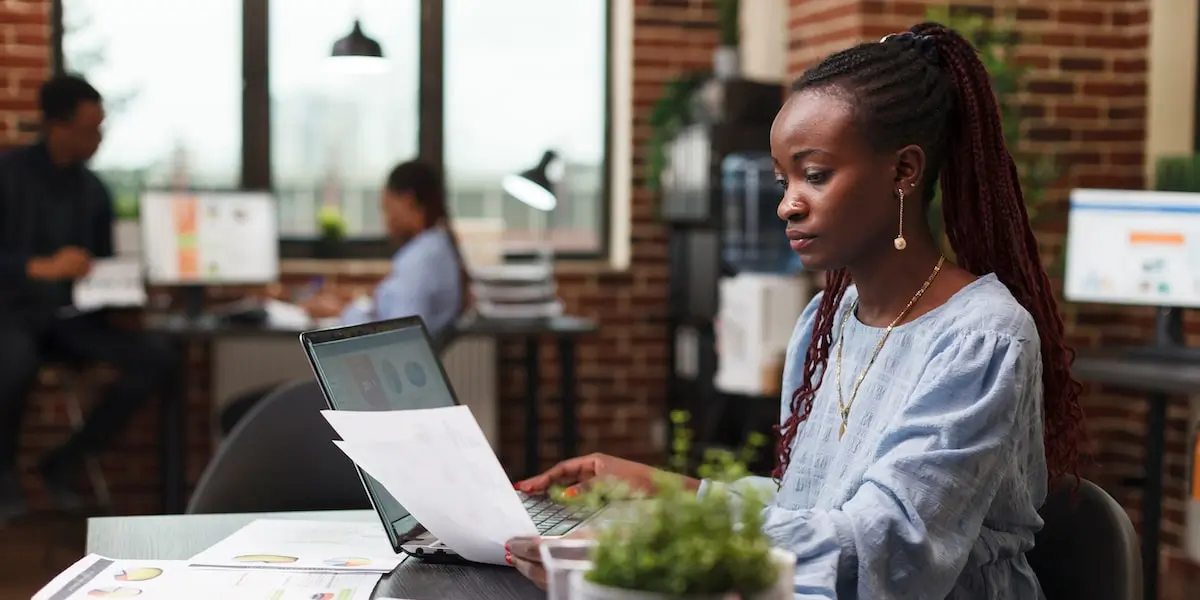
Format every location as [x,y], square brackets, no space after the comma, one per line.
[35,549]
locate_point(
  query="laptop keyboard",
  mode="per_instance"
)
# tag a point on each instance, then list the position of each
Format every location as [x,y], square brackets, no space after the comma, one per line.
[552,518]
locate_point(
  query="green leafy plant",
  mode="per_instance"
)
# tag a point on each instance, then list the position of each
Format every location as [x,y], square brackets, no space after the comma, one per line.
[332,224]
[670,114]
[728,22]
[677,543]
[997,41]
[1177,173]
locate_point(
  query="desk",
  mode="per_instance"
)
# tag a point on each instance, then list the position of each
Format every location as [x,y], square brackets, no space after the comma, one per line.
[1159,380]
[565,329]
[173,418]
[179,537]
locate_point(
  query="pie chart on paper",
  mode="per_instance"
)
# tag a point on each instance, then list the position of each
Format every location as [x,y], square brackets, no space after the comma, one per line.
[138,574]
[348,561]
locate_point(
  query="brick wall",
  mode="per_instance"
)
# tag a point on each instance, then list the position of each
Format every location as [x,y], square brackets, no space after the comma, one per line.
[622,370]
[1086,101]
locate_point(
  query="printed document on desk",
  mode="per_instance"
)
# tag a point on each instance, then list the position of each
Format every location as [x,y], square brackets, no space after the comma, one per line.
[112,283]
[96,576]
[437,463]
[294,545]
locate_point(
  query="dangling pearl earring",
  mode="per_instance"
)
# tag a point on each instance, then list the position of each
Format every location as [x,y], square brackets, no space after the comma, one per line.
[900,242]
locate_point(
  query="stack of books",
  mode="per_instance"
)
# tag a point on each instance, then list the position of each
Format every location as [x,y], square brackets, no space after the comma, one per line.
[516,291]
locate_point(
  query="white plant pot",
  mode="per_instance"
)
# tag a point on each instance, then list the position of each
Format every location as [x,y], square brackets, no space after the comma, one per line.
[582,589]
[727,63]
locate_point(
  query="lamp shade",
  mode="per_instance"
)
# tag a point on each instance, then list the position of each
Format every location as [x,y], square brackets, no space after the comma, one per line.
[534,187]
[357,44]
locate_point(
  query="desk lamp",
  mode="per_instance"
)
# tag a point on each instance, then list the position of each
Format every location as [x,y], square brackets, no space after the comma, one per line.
[535,188]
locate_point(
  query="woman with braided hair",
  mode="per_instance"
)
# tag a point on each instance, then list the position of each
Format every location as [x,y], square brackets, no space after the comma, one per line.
[928,403]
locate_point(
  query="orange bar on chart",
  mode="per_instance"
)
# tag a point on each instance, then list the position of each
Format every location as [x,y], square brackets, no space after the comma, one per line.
[1156,238]
[185,236]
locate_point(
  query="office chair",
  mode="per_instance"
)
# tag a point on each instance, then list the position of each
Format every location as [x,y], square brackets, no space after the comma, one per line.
[280,457]
[1088,547]
[72,379]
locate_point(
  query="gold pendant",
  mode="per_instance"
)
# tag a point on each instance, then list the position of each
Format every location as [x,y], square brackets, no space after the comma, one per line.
[842,430]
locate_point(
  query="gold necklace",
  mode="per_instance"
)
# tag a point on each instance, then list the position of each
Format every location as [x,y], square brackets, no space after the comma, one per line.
[844,407]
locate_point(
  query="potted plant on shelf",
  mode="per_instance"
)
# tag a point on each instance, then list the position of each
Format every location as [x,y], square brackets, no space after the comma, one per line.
[679,545]
[726,60]
[332,226]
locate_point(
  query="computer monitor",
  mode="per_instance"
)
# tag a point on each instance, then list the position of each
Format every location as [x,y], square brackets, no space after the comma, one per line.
[209,238]
[1133,247]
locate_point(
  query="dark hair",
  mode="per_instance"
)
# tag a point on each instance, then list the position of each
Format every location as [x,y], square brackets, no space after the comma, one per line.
[428,187]
[61,95]
[928,87]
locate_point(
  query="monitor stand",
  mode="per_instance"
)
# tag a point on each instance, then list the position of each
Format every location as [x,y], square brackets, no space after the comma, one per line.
[1169,344]
[194,297]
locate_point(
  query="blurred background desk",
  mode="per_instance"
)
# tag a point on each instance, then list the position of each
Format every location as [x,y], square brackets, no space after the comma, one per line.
[179,537]
[278,357]
[1159,380]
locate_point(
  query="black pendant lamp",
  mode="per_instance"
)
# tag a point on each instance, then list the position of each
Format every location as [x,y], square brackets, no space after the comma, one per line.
[357,44]
[534,187]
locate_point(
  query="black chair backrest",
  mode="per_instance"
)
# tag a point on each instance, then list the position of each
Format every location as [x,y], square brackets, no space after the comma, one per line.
[1088,547]
[280,457]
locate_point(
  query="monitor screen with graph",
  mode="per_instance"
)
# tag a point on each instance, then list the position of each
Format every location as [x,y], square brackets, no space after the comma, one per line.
[1133,247]
[209,238]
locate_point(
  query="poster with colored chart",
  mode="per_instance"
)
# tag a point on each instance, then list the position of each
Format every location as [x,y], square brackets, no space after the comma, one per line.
[94,577]
[211,237]
[282,544]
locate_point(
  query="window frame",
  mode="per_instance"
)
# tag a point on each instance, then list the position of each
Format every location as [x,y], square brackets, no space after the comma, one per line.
[256,172]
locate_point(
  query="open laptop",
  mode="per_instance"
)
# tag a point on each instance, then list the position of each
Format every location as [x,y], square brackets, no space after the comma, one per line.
[391,365]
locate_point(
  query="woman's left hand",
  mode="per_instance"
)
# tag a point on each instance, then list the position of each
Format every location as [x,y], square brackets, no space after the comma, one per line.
[525,554]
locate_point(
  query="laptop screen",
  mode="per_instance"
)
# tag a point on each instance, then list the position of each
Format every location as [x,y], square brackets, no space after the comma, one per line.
[393,369]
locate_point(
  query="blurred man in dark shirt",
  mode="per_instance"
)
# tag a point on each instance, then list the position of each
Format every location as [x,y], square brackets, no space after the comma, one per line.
[55,218]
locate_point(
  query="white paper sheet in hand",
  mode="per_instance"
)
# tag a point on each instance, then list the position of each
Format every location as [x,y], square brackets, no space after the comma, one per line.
[112,283]
[439,465]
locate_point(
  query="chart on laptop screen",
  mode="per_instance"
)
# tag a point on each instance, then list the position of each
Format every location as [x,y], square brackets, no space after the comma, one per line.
[400,376]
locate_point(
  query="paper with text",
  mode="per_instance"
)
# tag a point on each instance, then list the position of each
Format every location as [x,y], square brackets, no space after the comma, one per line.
[95,576]
[112,283]
[438,464]
[295,545]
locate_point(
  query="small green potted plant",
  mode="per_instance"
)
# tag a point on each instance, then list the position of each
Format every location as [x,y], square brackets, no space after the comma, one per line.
[678,545]
[727,61]
[332,226]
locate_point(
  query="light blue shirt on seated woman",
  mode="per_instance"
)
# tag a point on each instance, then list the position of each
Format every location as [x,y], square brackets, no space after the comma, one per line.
[425,280]
[934,490]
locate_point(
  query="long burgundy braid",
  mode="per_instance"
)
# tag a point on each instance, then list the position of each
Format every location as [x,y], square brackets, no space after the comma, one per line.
[928,87]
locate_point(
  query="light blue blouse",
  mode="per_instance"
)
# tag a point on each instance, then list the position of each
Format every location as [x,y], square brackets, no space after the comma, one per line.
[425,280]
[934,490]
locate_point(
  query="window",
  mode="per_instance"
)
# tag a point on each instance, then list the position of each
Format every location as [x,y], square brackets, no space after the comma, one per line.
[335,134]
[173,96]
[242,93]
[537,83]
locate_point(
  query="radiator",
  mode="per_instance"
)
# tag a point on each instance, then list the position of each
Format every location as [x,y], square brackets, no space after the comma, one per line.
[243,364]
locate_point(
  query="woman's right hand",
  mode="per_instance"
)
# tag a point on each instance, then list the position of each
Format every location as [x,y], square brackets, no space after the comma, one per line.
[578,472]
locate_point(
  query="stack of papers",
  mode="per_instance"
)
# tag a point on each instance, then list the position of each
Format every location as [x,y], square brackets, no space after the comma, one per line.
[96,576]
[112,283]
[287,545]
[455,488]
[265,560]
